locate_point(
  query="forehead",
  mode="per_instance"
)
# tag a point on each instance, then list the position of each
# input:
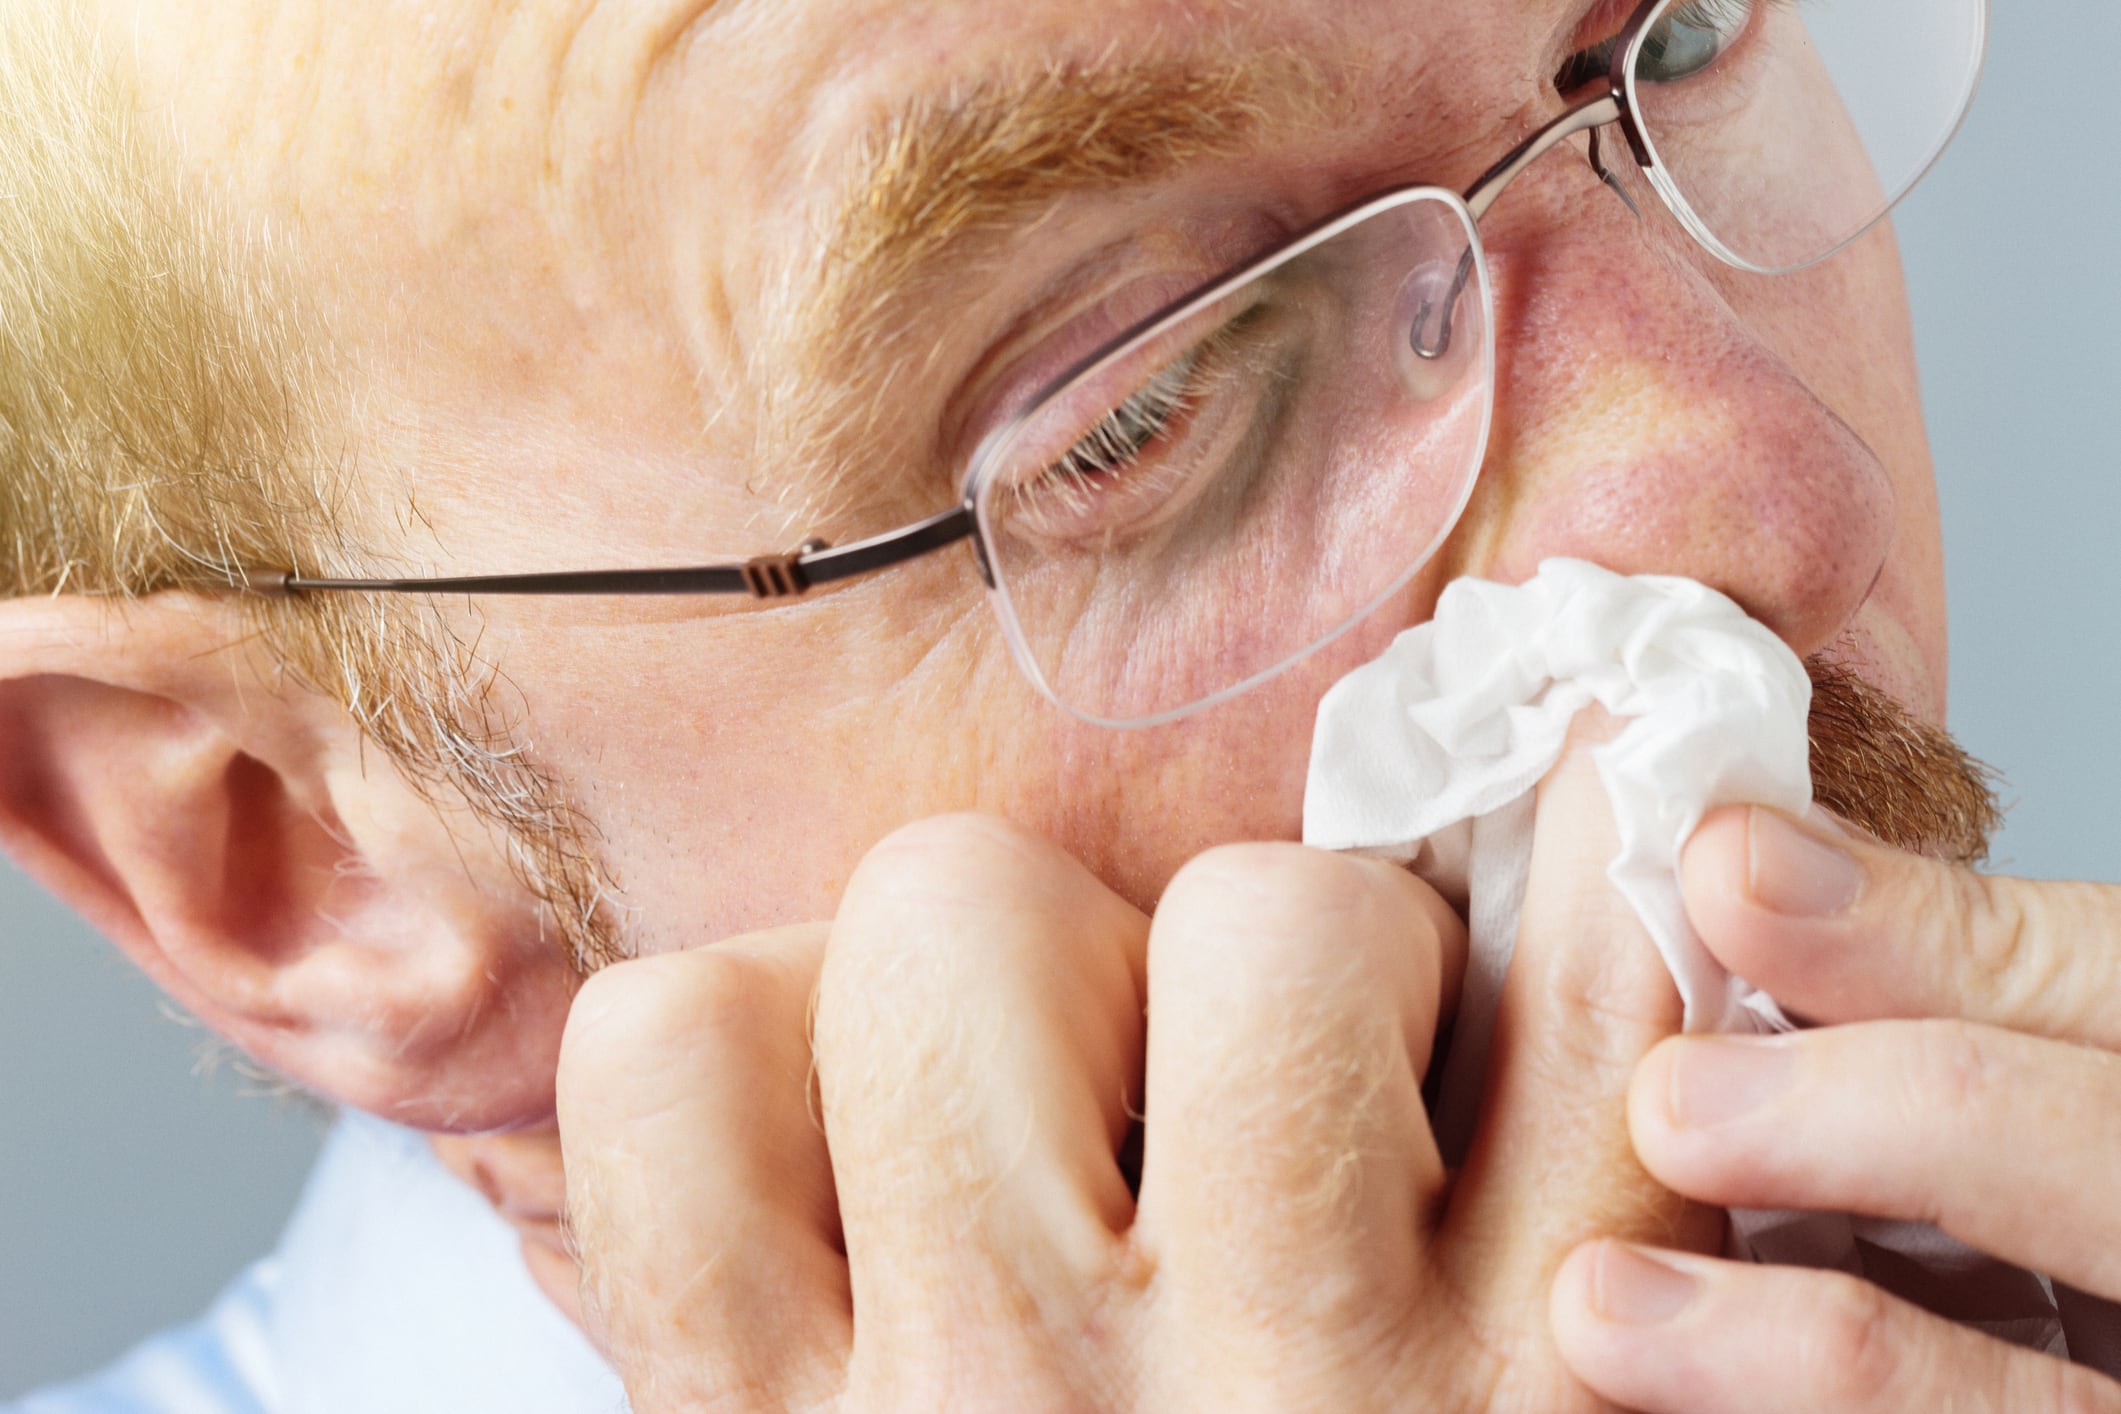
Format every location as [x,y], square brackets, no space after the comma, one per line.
[866,123]
[597,114]
[817,73]
[644,190]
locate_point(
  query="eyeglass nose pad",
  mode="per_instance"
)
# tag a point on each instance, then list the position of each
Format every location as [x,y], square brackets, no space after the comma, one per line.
[1431,335]
[1428,307]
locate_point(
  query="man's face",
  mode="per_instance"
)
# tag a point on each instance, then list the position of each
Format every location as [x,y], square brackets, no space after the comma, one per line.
[597,267]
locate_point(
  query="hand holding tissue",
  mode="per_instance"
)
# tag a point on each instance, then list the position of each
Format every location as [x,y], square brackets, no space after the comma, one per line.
[1429,756]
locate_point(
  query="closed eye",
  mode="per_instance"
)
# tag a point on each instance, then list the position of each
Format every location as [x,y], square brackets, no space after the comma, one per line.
[1125,433]
[1123,469]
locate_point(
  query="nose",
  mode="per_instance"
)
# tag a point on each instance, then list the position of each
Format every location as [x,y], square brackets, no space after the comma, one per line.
[1642,424]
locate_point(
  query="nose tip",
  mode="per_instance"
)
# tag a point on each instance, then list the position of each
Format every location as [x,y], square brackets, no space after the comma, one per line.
[1644,424]
[1753,488]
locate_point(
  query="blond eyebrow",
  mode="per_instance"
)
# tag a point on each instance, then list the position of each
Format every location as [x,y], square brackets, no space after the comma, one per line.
[948,169]
[946,166]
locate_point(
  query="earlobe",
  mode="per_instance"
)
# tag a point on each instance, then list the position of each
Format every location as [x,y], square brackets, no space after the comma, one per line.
[274,873]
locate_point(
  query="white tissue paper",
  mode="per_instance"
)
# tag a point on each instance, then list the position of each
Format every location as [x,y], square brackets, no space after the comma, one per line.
[1429,754]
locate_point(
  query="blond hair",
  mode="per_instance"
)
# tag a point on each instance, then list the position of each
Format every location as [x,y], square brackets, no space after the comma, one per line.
[170,414]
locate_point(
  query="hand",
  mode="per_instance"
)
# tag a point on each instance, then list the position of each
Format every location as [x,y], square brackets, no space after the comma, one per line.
[1980,1091]
[877,1166]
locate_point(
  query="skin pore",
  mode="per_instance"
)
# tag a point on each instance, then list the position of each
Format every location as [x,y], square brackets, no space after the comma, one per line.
[575,256]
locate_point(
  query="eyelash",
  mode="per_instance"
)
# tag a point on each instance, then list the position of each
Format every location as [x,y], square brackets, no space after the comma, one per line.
[1100,462]
[1123,434]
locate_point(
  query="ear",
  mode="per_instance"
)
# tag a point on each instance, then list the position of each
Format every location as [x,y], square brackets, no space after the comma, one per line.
[289,888]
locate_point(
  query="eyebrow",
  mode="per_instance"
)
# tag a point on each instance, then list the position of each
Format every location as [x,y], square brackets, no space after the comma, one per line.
[943,167]
[946,169]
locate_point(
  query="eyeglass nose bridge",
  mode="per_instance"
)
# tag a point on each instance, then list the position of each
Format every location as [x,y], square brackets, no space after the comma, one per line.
[1593,117]
[1590,116]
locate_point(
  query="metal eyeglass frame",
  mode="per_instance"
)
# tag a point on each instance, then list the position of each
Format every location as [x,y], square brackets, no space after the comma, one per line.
[816,562]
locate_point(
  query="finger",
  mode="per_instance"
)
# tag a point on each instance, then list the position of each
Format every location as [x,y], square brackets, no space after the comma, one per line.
[698,1188]
[1287,1163]
[1585,998]
[2009,1143]
[978,1034]
[1668,1333]
[1841,928]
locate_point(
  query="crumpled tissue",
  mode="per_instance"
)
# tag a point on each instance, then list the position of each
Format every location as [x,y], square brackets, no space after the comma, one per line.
[1428,756]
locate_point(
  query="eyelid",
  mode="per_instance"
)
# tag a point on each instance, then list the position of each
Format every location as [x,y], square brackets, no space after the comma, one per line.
[1051,358]
[1086,401]
[1605,21]
[1079,314]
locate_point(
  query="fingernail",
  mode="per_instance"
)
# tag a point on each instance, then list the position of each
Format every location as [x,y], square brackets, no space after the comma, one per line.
[1717,1079]
[1796,874]
[1635,1289]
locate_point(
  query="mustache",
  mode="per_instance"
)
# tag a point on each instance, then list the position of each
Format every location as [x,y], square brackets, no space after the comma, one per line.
[1901,779]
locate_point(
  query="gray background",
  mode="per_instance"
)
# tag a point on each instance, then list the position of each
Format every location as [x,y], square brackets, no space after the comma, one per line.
[131,1186]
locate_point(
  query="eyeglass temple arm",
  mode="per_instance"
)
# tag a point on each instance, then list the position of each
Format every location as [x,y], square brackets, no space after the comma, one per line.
[767,577]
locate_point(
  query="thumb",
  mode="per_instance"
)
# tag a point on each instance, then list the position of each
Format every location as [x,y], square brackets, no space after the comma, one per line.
[1585,998]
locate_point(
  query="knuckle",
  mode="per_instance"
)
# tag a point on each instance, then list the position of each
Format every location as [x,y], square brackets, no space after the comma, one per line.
[1285,901]
[2006,955]
[1854,1357]
[1953,1063]
[1266,972]
[641,1017]
[720,993]
[622,1012]
[1600,1009]
[2023,950]
[904,1045]
[949,859]
[1293,981]
[921,899]
[907,906]
[1273,953]
[916,905]
[1241,871]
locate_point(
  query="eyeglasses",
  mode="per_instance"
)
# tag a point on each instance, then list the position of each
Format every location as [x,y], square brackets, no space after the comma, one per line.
[1246,474]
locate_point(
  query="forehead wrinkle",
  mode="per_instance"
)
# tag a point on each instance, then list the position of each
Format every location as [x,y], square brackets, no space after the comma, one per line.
[947,170]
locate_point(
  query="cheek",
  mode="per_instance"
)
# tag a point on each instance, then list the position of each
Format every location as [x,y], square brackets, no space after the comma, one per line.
[1137,805]
[737,762]
[737,773]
